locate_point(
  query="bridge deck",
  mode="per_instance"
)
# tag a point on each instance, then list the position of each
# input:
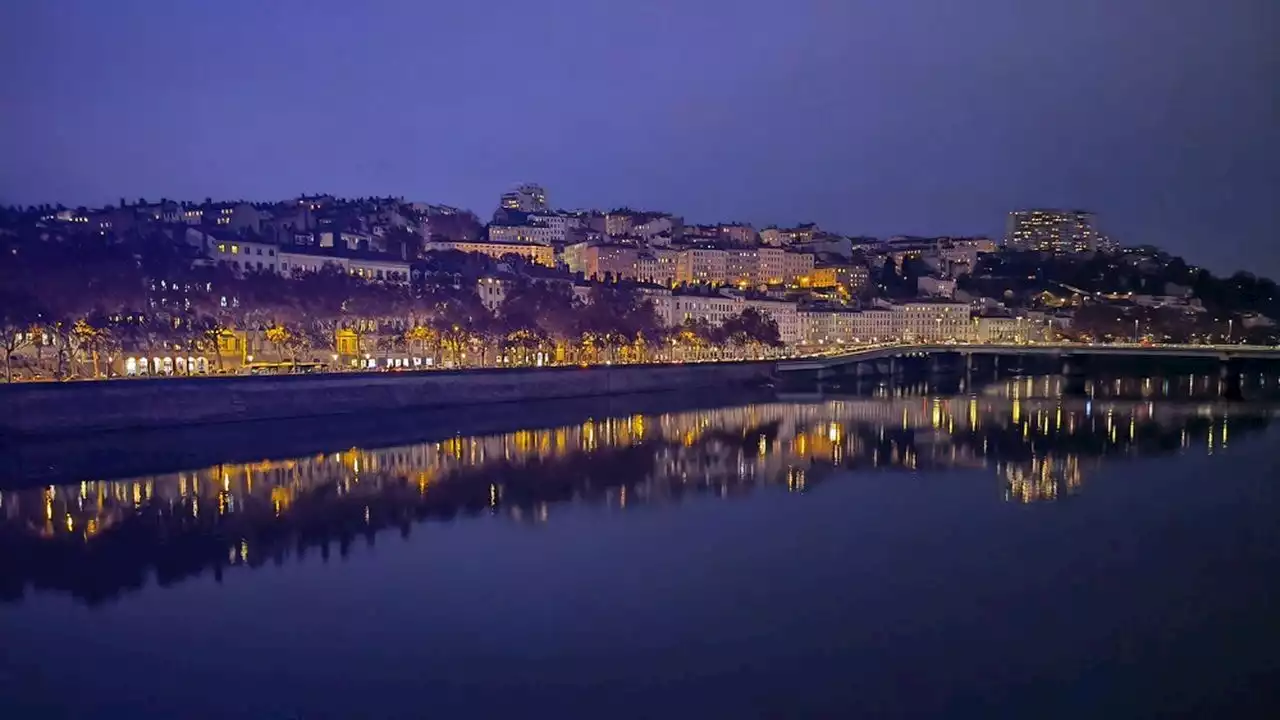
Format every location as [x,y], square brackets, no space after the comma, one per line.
[884,352]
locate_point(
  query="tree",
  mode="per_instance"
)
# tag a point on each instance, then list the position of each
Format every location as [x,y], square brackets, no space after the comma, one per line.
[18,322]
[424,336]
[752,328]
[281,337]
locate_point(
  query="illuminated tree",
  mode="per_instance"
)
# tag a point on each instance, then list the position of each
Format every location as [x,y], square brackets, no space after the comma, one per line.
[279,336]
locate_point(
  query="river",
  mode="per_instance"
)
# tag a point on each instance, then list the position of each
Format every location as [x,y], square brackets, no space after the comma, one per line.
[1022,549]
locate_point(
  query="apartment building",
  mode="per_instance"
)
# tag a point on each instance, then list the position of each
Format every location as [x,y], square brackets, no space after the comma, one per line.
[539,254]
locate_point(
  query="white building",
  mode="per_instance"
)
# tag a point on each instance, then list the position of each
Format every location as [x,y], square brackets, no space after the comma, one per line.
[375,268]
[922,321]
[784,313]
[533,234]
[677,309]
[876,326]
[936,287]
[829,327]
[238,254]
[559,225]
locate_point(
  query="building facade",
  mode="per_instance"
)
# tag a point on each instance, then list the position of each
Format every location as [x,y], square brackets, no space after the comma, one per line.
[538,234]
[527,198]
[1056,231]
[540,254]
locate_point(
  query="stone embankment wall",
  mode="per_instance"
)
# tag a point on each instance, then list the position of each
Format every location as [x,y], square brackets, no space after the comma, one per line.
[36,409]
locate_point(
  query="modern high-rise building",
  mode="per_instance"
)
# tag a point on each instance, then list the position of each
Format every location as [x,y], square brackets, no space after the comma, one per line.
[1059,231]
[527,198]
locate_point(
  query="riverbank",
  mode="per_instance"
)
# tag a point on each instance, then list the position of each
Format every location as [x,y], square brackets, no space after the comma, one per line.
[39,410]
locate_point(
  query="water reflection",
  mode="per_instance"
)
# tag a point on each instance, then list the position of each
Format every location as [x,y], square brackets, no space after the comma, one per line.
[97,539]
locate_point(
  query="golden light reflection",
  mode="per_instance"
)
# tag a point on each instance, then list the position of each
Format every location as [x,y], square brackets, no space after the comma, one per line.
[721,452]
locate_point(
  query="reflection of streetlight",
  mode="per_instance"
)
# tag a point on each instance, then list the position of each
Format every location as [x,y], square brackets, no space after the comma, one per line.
[1230,328]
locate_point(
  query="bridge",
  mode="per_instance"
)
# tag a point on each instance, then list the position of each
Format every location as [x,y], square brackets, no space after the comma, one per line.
[876,357]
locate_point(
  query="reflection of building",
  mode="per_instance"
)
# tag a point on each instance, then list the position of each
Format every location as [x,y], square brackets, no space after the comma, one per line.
[1036,441]
[1041,479]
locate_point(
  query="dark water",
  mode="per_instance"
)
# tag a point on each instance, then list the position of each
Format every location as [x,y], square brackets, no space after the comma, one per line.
[1019,551]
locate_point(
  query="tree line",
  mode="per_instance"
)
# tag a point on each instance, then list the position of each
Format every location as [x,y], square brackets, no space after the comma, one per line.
[71,307]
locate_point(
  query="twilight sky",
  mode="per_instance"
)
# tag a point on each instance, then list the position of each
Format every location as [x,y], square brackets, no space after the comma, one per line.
[866,116]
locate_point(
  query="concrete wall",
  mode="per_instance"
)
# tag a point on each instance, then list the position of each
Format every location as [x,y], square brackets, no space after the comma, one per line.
[36,409]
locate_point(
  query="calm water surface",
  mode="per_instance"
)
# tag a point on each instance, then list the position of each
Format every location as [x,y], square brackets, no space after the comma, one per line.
[1020,551]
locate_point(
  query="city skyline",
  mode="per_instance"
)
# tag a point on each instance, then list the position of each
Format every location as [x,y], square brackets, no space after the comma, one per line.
[762,114]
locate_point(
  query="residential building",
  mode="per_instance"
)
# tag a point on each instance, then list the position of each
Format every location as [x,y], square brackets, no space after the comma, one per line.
[875,326]
[1056,231]
[619,222]
[527,198]
[738,234]
[936,287]
[1006,328]
[678,308]
[651,226]
[796,265]
[237,253]
[369,266]
[658,266]
[384,268]
[742,266]
[821,326]
[539,234]
[784,313]
[785,237]
[926,321]
[540,254]
[242,255]
[999,329]
[852,279]
[611,261]
[573,256]
[702,266]
[661,298]
[492,291]
[559,225]
[771,267]
[714,309]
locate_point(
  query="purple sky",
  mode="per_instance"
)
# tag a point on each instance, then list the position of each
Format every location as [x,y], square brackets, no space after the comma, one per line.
[867,116]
